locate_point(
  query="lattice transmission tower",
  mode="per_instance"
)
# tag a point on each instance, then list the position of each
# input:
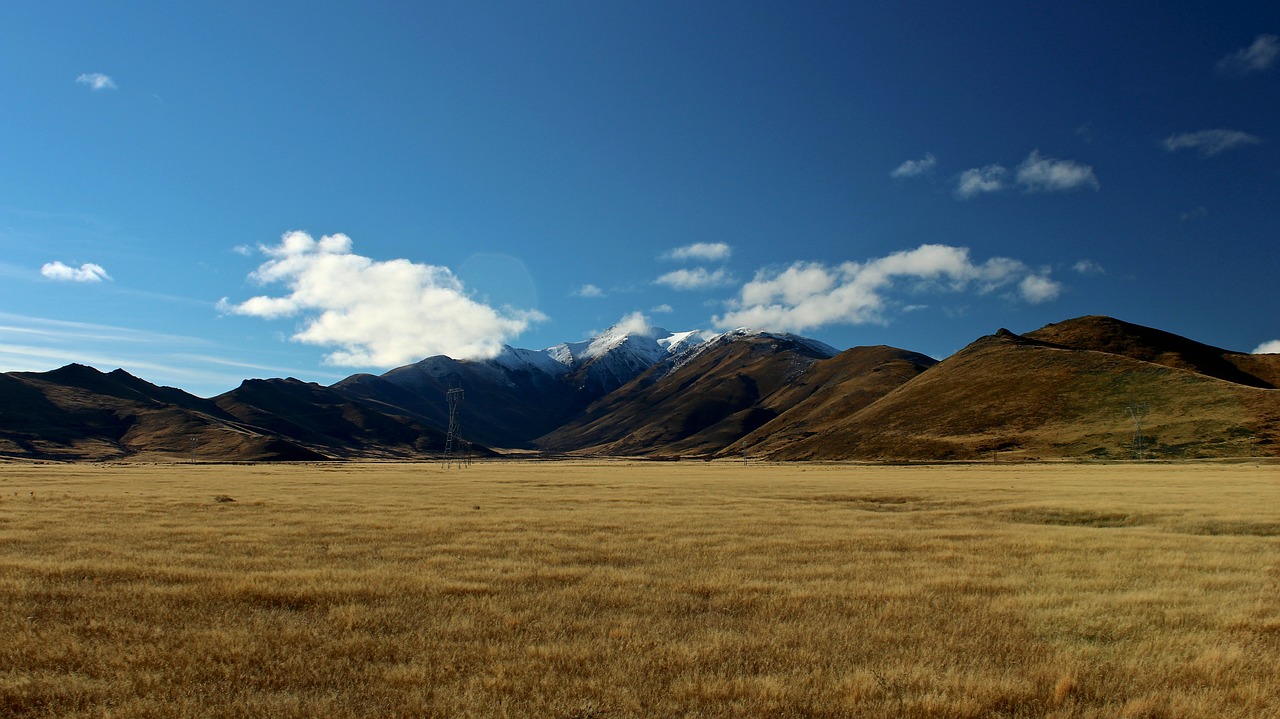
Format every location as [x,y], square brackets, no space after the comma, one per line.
[452,439]
[1139,413]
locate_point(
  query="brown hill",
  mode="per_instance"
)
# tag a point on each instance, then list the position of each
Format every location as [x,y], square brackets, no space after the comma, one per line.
[1113,336]
[1029,398]
[727,389]
[834,390]
[327,421]
[79,413]
[1065,390]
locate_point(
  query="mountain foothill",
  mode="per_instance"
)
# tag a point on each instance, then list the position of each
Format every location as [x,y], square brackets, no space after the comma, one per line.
[1090,388]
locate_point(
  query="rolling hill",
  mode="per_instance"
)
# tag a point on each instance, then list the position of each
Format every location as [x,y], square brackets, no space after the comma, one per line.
[1026,397]
[1071,389]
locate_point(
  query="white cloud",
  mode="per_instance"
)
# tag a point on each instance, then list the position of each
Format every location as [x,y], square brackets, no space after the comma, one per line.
[1039,288]
[696,279]
[811,294]
[978,181]
[1272,347]
[708,251]
[1261,55]
[1088,267]
[376,313]
[589,290]
[634,324]
[87,272]
[662,309]
[1046,174]
[242,250]
[914,168]
[96,81]
[1209,142]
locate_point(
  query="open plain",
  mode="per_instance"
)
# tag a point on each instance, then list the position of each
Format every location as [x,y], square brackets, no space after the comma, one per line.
[628,589]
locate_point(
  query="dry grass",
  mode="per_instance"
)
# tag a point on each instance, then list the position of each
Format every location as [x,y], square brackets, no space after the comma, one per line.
[639,590]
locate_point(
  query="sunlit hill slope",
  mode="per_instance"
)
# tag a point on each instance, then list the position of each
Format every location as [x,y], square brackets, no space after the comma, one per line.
[1086,388]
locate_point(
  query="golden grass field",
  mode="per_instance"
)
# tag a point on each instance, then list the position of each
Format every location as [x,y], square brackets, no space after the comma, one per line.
[612,589]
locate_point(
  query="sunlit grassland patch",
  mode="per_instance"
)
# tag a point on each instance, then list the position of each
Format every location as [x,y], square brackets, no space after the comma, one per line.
[639,590]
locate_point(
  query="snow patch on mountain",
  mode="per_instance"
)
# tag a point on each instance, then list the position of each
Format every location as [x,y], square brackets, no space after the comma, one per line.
[820,349]
[515,359]
[608,360]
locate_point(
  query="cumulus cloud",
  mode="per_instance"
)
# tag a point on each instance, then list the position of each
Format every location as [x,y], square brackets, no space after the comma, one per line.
[1209,142]
[812,294]
[698,278]
[707,251]
[635,324]
[96,81]
[1046,174]
[980,180]
[1039,288]
[589,290]
[662,309]
[1261,55]
[87,272]
[376,313]
[1272,347]
[915,168]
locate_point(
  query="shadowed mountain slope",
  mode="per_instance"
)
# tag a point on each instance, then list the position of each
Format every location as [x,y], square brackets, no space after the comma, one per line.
[520,395]
[501,407]
[699,403]
[79,413]
[327,420]
[832,391]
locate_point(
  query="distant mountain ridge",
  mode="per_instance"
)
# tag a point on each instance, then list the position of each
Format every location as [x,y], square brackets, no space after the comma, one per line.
[1061,391]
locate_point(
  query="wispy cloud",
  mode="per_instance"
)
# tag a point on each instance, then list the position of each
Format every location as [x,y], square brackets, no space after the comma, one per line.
[1088,267]
[697,278]
[914,168]
[1272,347]
[706,251]
[662,309]
[1261,55]
[1046,174]
[1037,173]
[87,272]
[96,81]
[588,290]
[376,313]
[39,344]
[980,181]
[807,295]
[1209,142]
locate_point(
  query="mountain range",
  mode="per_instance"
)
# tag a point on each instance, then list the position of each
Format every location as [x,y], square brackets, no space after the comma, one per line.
[1086,388]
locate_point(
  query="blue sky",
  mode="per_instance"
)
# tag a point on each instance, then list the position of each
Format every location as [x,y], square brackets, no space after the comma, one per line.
[205,192]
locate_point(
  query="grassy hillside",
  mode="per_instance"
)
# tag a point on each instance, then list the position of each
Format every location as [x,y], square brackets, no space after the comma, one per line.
[1030,399]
